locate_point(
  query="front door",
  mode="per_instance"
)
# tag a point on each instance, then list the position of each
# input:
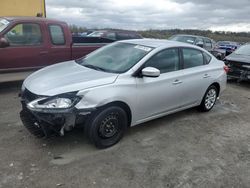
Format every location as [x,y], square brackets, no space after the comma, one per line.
[26,48]
[159,95]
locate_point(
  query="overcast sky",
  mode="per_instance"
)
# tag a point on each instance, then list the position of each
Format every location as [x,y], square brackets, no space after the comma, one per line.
[231,15]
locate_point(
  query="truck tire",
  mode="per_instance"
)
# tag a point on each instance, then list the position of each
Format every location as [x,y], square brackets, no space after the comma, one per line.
[106,127]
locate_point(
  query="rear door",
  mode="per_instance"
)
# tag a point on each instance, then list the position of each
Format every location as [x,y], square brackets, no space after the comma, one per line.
[195,76]
[26,48]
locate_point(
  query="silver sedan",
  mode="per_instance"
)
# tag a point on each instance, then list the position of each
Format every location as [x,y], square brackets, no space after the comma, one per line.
[121,85]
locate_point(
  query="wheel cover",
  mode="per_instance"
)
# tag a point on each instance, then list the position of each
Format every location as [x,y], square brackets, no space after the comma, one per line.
[210,98]
[109,126]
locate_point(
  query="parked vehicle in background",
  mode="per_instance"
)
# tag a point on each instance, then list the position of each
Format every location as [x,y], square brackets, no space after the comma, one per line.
[28,43]
[108,36]
[238,63]
[116,34]
[121,85]
[228,46]
[203,42]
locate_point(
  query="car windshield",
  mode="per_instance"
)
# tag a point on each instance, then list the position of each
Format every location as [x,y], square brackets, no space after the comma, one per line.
[115,58]
[243,50]
[186,39]
[96,34]
[3,24]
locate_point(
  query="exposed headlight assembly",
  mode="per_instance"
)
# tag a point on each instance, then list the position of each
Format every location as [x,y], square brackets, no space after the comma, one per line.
[63,101]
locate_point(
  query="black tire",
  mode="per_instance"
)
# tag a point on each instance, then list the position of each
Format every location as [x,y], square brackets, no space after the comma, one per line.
[107,126]
[205,106]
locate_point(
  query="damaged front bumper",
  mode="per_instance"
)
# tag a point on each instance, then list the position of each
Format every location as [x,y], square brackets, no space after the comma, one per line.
[50,122]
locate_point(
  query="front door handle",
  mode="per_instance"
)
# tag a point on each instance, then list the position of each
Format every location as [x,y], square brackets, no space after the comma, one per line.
[206,76]
[177,82]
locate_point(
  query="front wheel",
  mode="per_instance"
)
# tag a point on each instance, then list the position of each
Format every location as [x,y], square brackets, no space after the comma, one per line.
[106,127]
[209,99]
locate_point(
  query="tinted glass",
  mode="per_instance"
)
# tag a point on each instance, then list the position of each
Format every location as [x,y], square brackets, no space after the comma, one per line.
[192,58]
[116,58]
[57,35]
[243,50]
[24,35]
[111,36]
[165,61]
[122,36]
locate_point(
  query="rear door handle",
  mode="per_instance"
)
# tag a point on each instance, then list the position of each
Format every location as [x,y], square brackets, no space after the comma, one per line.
[177,82]
[206,76]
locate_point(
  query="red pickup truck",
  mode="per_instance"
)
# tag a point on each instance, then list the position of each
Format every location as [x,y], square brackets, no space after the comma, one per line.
[30,43]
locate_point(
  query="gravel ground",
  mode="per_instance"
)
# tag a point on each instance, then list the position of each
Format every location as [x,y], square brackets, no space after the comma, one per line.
[187,149]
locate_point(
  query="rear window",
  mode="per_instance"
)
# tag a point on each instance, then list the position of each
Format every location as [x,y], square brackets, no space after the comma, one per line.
[182,38]
[3,24]
[243,50]
[57,35]
[207,58]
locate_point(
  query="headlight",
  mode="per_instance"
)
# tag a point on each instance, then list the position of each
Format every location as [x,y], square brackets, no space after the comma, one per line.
[58,102]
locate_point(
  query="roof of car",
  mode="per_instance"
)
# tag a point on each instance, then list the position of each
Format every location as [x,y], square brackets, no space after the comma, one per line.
[30,18]
[115,30]
[191,35]
[157,43]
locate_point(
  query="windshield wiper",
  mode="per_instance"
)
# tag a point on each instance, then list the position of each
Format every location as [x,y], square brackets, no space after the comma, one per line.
[95,67]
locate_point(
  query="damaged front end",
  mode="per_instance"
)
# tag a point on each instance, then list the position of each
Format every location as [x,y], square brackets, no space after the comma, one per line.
[46,116]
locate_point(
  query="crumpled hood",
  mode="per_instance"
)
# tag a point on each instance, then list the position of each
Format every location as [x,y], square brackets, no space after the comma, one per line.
[66,77]
[238,58]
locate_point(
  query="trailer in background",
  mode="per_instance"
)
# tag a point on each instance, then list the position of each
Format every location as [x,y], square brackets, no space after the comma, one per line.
[23,8]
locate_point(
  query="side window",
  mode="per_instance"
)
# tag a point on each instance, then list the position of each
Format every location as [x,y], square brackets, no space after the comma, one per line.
[111,36]
[207,58]
[208,43]
[56,34]
[192,58]
[122,36]
[165,61]
[25,34]
[199,42]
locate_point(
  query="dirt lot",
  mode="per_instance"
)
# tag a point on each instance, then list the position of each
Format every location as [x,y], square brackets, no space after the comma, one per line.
[187,149]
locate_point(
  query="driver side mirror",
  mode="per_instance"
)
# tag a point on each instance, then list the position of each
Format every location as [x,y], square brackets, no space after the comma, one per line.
[4,43]
[151,72]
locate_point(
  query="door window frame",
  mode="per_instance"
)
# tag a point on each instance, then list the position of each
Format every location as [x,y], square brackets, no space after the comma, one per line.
[137,73]
[50,36]
[182,57]
[26,46]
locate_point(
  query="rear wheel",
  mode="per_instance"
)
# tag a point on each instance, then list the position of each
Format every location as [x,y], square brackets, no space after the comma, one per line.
[209,99]
[106,127]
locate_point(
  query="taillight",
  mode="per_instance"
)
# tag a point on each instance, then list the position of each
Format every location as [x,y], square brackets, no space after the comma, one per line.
[226,69]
